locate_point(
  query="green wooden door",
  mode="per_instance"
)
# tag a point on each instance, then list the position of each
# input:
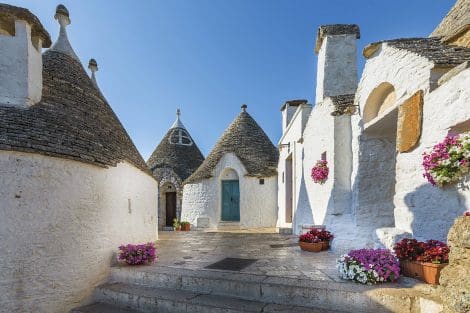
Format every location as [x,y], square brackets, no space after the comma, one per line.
[230,200]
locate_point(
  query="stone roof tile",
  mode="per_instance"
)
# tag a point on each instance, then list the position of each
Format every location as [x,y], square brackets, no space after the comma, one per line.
[244,138]
[432,49]
[10,13]
[72,121]
[455,21]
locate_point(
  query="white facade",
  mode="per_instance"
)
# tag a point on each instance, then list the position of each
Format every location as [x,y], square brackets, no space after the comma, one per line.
[258,202]
[374,195]
[62,222]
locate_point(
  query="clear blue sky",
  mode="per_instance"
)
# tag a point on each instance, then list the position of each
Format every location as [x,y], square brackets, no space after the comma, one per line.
[209,57]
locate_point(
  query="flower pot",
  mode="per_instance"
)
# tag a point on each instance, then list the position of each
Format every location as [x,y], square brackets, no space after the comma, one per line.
[325,245]
[427,272]
[178,228]
[186,227]
[311,247]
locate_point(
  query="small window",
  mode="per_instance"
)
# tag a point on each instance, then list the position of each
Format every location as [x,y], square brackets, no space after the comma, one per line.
[323,156]
[261,181]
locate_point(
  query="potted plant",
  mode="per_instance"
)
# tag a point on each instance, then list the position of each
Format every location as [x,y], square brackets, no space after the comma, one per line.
[185,226]
[448,161]
[320,172]
[137,254]
[176,224]
[324,236]
[422,260]
[310,242]
[369,266]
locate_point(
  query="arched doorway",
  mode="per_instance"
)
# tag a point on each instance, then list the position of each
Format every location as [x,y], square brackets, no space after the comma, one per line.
[230,188]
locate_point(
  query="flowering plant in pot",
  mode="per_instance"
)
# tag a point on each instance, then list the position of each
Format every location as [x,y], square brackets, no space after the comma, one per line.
[185,226]
[448,161]
[310,242]
[324,236]
[137,254]
[369,266]
[320,172]
[315,240]
[422,260]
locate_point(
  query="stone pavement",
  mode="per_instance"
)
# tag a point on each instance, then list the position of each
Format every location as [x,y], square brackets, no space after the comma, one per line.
[282,279]
[277,255]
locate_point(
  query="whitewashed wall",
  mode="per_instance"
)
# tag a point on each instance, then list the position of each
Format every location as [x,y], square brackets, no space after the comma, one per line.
[61,222]
[425,211]
[374,165]
[392,196]
[291,144]
[258,203]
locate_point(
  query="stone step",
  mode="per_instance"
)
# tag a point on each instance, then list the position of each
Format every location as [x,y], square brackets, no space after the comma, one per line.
[151,299]
[345,296]
[103,308]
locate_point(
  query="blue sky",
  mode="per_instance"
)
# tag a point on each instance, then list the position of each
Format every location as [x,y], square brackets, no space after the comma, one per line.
[208,57]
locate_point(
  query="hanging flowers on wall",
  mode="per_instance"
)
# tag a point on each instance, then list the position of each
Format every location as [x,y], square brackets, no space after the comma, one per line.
[320,172]
[448,161]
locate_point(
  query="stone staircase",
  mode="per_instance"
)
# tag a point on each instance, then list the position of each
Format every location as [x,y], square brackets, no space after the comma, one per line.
[172,289]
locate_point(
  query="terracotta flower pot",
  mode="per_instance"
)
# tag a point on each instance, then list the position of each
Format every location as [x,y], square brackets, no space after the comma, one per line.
[427,272]
[325,245]
[311,247]
[186,227]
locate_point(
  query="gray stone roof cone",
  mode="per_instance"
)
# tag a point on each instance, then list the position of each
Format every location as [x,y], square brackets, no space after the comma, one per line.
[247,140]
[72,120]
[176,152]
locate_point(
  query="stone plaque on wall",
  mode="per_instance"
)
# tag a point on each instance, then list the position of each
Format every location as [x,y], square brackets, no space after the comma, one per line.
[410,115]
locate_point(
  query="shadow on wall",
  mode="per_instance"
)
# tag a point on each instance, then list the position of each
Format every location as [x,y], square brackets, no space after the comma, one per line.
[303,214]
[434,210]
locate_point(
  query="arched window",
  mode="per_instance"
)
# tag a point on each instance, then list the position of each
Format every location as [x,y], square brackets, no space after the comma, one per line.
[180,136]
[379,100]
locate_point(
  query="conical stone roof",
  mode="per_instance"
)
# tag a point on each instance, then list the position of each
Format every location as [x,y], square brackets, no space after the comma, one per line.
[456,21]
[72,121]
[176,152]
[247,140]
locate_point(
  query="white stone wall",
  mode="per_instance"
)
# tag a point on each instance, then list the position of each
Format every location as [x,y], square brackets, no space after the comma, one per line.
[425,211]
[389,192]
[61,223]
[20,67]
[258,203]
[374,164]
[292,144]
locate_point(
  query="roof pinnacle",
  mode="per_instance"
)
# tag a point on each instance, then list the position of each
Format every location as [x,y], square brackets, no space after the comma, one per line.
[178,123]
[62,44]
[93,66]
[244,106]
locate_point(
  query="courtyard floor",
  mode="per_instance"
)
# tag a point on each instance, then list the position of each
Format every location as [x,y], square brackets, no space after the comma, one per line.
[275,255]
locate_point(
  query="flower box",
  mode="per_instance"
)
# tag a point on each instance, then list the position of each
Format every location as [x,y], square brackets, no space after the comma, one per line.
[424,271]
[311,246]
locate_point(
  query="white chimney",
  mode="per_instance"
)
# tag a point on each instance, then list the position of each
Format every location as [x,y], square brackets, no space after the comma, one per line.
[288,110]
[336,67]
[22,38]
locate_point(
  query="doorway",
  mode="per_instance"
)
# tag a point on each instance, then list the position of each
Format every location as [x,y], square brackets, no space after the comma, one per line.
[230,200]
[289,192]
[170,200]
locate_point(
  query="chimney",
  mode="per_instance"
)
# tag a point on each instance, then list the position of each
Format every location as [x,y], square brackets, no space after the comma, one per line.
[22,38]
[336,66]
[288,109]
[93,66]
